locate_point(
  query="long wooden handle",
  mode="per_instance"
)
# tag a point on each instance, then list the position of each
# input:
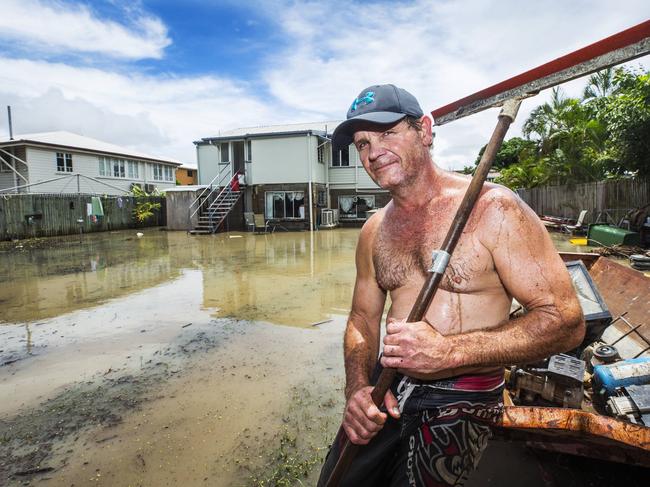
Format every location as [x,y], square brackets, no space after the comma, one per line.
[430,286]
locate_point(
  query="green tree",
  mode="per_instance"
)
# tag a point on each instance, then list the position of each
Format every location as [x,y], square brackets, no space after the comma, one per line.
[626,113]
[511,152]
[145,208]
[568,140]
[599,85]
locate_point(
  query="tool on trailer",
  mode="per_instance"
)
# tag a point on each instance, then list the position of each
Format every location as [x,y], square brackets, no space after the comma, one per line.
[618,48]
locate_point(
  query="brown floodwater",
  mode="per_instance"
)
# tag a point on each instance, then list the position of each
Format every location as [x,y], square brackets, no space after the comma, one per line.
[106,310]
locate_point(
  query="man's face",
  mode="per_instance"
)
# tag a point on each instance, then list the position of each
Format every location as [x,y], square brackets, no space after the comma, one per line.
[393,156]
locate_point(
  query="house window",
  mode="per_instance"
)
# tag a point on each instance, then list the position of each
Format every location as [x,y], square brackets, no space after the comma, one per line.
[342,158]
[249,151]
[157,172]
[63,162]
[321,200]
[134,172]
[190,173]
[168,173]
[285,204]
[355,206]
[320,153]
[225,154]
[104,166]
[119,168]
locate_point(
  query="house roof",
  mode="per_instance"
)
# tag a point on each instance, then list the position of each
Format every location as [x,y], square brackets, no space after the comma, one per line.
[316,128]
[71,140]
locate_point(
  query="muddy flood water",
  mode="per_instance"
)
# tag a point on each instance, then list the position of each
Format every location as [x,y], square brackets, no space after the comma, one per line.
[176,360]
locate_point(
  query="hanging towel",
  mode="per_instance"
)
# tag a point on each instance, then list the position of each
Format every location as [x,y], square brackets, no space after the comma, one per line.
[98,209]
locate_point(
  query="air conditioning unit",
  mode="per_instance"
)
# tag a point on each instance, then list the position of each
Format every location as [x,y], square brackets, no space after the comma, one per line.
[329,218]
[150,188]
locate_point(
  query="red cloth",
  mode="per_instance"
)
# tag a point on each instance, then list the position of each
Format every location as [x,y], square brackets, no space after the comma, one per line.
[234,184]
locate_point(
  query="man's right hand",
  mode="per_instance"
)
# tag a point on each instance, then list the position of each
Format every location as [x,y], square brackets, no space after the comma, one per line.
[362,420]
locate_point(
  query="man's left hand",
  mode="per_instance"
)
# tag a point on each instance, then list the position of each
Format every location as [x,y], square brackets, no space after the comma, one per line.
[416,349]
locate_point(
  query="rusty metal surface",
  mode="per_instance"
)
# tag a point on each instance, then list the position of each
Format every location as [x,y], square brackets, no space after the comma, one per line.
[624,289]
[576,432]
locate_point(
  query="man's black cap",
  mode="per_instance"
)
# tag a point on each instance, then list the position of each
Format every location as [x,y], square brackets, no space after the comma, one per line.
[379,104]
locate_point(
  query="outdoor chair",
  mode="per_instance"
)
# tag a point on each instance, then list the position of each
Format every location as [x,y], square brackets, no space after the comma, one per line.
[260,224]
[578,225]
[249,220]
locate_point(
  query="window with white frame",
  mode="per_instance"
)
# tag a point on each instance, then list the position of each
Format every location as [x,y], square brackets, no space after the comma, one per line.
[168,173]
[119,168]
[104,166]
[355,206]
[320,153]
[134,170]
[285,204]
[63,162]
[157,172]
[341,158]
[225,153]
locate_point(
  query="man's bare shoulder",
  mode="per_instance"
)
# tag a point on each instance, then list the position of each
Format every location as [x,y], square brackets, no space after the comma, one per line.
[503,202]
[500,211]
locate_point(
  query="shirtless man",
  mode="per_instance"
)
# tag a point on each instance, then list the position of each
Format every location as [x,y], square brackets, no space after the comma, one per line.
[437,415]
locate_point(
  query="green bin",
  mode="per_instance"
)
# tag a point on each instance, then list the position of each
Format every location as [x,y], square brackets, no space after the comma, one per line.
[609,235]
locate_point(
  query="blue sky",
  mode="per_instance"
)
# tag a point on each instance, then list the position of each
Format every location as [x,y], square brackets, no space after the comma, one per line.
[157,74]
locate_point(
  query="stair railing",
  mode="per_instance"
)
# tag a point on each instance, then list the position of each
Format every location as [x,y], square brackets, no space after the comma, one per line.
[223,194]
[200,200]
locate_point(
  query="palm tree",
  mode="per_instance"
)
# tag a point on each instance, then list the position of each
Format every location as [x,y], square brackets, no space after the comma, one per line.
[549,120]
[600,84]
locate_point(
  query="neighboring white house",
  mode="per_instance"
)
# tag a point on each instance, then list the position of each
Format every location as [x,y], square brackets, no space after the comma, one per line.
[282,163]
[64,162]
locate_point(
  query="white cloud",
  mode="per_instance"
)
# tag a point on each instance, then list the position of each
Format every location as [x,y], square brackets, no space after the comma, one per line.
[52,26]
[438,50]
[159,115]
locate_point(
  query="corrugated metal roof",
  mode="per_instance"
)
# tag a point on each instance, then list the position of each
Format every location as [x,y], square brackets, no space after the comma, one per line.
[324,127]
[76,141]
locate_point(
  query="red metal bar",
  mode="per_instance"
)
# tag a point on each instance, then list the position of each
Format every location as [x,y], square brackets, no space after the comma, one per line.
[621,40]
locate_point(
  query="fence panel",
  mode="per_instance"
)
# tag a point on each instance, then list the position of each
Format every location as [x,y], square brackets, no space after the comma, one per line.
[614,197]
[47,215]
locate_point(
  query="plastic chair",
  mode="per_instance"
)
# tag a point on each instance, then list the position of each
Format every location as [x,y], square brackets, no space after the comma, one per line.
[578,225]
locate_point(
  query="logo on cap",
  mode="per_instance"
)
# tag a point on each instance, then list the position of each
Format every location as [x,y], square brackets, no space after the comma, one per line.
[366,99]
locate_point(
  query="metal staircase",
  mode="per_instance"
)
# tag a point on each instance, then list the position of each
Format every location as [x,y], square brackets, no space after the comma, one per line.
[213,209]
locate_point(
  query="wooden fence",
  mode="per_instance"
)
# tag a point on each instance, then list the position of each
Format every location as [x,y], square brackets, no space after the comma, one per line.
[47,215]
[609,199]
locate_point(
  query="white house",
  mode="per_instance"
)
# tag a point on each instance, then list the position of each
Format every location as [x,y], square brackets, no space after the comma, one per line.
[290,170]
[64,162]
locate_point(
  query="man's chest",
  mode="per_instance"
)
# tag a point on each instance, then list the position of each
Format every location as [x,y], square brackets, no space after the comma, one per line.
[402,255]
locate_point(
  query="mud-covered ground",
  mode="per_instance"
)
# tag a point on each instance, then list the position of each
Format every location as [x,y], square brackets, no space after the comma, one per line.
[197,411]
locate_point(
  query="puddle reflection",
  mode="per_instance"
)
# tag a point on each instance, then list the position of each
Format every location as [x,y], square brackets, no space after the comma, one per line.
[286,278]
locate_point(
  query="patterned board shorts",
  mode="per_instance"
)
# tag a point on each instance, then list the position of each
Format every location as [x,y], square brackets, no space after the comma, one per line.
[438,440]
